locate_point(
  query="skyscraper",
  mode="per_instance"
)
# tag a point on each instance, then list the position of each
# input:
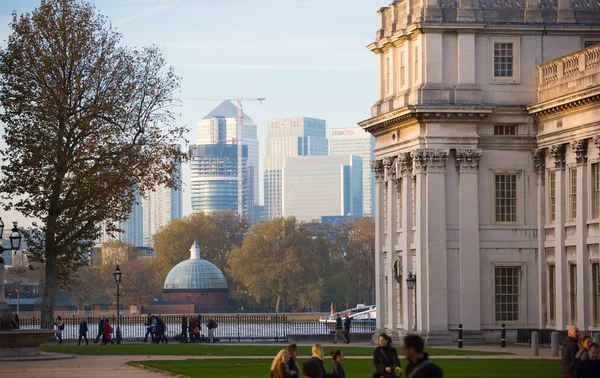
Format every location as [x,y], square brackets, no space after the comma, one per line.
[357,142]
[131,229]
[288,137]
[219,126]
[318,186]
[161,206]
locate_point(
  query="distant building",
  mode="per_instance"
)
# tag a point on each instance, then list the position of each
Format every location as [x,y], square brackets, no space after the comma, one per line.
[131,229]
[214,180]
[219,126]
[357,142]
[289,137]
[317,186]
[339,219]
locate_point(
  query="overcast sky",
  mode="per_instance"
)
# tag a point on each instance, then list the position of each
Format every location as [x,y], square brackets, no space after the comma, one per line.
[307,57]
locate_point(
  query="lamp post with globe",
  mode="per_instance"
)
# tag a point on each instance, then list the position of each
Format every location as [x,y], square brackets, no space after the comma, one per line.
[15,245]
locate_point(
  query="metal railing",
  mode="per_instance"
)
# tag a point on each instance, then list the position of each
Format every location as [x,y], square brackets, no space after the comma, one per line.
[231,328]
[524,335]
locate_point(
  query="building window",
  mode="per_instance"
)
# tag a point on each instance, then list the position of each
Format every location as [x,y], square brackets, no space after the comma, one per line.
[506,198]
[573,194]
[595,191]
[552,293]
[552,197]
[505,130]
[587,44]
[402,70]
[416,64]
[387,76]
[503,59]
[573,284]
[507,294]
[596,288]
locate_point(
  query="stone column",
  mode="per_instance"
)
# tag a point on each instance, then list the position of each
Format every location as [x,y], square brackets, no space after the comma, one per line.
[560,255]
[389,165]
[436,286]
[419,160]
[466,91]
[579,147]
[539,161]
[467,162]
[377,167]
[405,166]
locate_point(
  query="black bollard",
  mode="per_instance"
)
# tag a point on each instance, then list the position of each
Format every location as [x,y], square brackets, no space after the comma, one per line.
[503,339]
[460,335]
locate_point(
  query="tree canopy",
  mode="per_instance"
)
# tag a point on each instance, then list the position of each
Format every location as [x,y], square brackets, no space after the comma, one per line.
[88,123]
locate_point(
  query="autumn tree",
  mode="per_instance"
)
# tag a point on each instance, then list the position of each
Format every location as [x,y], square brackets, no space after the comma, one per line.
[117,252]
[88,123]
[360,259]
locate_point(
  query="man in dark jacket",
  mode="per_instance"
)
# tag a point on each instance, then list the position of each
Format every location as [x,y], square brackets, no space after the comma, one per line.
[338,327]
[83,330]
[589,368]
[347,325]
[419,366]
[100,331]
[569,351]
[149,329]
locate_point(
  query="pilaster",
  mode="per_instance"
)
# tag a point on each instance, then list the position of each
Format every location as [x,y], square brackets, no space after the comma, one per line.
[391,310]
[419,161]
[405,171]
[467,162]
[539,161]
[466,91]
[579,147]
[377,168]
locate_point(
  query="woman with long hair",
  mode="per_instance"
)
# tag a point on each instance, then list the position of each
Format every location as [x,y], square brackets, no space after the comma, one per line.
[337,370]
[292,363]
[317,355]
[385,358]
[279,367]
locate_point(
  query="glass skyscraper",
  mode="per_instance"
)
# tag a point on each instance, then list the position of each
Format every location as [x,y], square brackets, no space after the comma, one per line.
[358,142]
[289,137]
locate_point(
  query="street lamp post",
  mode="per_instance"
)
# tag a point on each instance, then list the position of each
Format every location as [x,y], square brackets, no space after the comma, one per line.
[411,283]
[15,245]
[118,275]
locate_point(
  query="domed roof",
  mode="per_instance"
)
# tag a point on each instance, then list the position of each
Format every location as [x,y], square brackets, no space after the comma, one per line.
[195,273]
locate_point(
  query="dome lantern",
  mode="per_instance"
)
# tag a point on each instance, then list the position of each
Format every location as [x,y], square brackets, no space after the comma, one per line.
[195,251]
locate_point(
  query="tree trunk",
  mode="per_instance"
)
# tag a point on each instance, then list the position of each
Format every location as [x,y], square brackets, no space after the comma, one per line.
[277,305]
[50,287]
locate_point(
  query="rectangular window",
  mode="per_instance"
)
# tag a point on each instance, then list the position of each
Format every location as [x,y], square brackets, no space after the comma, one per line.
[573,287]
[506,198]
[503,59]
[573,194]
[507,294]
[552,293]
[387,77]
[416,64]
[505,130]
[596,288]
[552,197]
[595,191]
[402,70]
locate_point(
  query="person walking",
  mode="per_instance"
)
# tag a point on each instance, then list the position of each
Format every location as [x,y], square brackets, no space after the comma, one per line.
[83,329]
[184,329]
[279,367]
[60,326]
[583,353]
[338,328]
[419,364]
[317,356]
[161,331]
[569,351]
[385,358]
[337,370]
[108,331]
[347,325]
[211,325]
[100,331]
[293,367]
[149,328]
[589,368]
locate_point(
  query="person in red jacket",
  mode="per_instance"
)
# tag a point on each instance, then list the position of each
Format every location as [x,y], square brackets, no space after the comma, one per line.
[108,330]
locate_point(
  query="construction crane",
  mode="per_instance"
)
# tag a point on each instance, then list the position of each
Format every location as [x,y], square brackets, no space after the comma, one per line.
[238,139]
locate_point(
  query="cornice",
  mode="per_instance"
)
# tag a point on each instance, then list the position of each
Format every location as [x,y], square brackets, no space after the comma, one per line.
[566,102]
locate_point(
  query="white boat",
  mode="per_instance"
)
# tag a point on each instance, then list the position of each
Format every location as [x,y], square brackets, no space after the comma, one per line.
[360,313]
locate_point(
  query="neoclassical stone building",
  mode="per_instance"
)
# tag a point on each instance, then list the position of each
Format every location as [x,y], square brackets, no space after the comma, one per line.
[461,200]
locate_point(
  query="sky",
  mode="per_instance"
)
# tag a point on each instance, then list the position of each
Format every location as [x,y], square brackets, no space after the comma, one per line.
[306,57]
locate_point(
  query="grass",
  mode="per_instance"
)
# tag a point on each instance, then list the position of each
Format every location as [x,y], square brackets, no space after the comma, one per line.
[225,350]
[464,368]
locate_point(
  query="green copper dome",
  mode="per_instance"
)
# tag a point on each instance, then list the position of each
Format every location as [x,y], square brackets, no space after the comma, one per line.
[195,273]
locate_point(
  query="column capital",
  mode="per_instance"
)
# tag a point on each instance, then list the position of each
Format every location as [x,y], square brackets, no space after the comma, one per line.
[580,149]
[558,153]
[539,159]
[419,161]
[405,164]
[436,160]
[597,142]
[389,167]
[377,168]
[468,160]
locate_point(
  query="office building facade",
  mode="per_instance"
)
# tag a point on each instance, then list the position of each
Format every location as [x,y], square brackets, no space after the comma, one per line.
[357,142]
[318,186]
[289,137]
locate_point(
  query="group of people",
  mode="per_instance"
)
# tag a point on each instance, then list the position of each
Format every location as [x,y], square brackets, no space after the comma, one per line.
[579,356]
[193,328]
[342,328]
[156,329]
[385,360]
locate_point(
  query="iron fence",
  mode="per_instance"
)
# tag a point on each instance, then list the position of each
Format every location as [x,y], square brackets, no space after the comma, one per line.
[524,335]
[231,328]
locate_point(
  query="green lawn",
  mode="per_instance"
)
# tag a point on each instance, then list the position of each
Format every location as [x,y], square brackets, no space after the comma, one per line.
[465,368]
[222,350]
